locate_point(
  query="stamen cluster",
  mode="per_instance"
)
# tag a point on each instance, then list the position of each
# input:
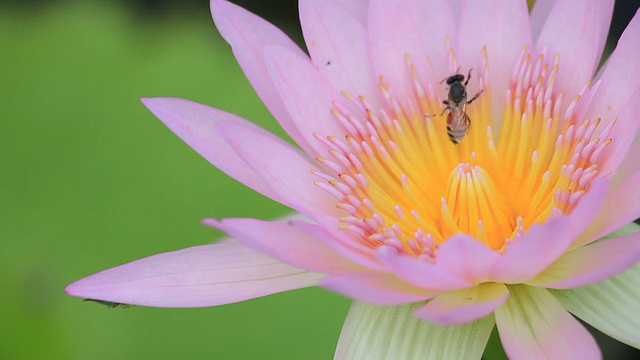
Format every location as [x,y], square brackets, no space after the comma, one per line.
[404,183]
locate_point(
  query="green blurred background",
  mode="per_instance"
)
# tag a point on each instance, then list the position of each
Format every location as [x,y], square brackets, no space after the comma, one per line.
[90,180]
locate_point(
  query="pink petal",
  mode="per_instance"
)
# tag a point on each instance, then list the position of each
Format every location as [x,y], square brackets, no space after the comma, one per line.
[420,272]
[467,258]
[285,242]
[586,23]
[623,133]
[536,250]
[338,45]
[194,124]
[533,325]
[543,244]
[247,34]
[461,306]
[357,8]
[539,14]
[434,21]
[618,94]
[501,26]
[629,166]
[414,27]
[282,166]
[591,263]
[347,245]
[206,275]
[306,95]
[375,288]
[456,9]
[621,207]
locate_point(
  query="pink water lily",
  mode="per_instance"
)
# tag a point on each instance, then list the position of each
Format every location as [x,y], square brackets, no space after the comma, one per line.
[435,241]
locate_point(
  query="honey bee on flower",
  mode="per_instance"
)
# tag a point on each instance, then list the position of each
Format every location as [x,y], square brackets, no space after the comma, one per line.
[458,121]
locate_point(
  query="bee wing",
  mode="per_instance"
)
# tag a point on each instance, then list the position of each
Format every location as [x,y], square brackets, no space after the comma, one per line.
[467,120]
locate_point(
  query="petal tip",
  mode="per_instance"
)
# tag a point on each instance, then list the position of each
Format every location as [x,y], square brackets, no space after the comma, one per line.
[214,223]
[78,288]
[71,289]
[148,102]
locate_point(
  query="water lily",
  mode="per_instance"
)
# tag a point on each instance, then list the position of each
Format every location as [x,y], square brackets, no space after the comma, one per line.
[524,221]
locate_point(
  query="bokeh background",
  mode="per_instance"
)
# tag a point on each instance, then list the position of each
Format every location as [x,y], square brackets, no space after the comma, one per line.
[90,180]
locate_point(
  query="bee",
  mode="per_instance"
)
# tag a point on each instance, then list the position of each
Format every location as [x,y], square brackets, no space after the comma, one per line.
[458,122]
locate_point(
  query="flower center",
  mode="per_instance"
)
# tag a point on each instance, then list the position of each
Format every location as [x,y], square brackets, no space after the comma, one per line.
[404,182]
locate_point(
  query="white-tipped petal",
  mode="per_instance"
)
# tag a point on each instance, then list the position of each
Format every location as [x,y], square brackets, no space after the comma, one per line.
[533,325]
[611,306]
[393,332]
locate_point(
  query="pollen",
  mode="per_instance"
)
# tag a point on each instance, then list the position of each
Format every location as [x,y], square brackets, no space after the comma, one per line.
[401,181]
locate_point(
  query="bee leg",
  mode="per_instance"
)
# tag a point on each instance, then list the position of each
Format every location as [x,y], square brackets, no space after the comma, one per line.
[446,102]
[474,97]
[468,78]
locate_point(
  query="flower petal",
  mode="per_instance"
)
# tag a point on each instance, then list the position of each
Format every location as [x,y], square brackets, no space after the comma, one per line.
[339,48]
[501,26]
[545,243]
[357,8]
[347,245]
[420,272]
[467,258]
[306,95]
[247,34]
[629,166]
[410,27]
[194,124]
[461,306]
[286,242]
[623,132]
[533,325]
[434,21]
[587,21]
[621,207]
[539,14]
[376,332]
[611,306]
[456,9]
[591,263]
[531,254]
[282,166]
[206,275]
[374,287]
[618,94]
